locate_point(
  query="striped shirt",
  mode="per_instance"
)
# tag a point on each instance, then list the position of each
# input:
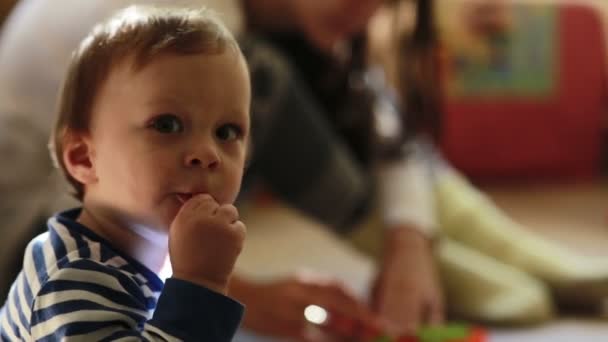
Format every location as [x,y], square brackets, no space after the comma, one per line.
[75,287]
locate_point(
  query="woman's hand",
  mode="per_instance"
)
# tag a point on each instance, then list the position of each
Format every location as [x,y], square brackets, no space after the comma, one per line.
[277,308]
[407,292]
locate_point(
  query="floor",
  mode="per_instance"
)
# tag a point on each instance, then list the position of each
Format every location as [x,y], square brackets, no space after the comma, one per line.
[574,215]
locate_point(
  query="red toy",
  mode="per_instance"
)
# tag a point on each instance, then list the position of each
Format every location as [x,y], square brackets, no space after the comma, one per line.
[354,330]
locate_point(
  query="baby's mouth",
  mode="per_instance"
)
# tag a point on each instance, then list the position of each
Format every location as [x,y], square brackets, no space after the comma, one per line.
[183,198]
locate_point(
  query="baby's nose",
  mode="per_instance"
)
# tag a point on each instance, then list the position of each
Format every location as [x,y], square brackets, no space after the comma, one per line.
[206,157]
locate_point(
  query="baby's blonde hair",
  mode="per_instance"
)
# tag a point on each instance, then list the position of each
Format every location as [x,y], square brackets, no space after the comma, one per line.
[141,32]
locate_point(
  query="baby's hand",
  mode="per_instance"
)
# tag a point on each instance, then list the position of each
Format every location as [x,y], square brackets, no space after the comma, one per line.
[204,242]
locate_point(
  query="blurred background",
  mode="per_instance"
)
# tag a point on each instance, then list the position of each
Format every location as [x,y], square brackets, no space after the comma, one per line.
[513,94]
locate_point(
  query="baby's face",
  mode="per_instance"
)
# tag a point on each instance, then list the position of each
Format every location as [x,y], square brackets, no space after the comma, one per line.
[175,128]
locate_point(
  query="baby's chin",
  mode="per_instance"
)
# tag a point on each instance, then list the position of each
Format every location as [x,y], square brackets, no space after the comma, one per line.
[153,233]
[158,219]
[143,218]
[167,217]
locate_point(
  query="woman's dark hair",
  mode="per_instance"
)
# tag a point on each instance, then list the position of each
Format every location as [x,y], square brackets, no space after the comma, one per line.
[418,67]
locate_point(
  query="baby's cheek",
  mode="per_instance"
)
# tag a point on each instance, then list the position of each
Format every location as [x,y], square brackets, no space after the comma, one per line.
[227,189]
[150,181]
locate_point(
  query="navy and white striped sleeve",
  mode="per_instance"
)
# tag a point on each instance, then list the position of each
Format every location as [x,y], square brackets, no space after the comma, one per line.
[86,300]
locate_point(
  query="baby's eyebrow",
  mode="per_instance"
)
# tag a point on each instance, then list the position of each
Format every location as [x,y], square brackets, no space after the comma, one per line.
[163,100]
[237,114]
[167,103]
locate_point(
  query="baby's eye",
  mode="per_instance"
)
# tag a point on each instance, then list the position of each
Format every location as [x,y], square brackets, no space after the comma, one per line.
[228,132]
[167,123]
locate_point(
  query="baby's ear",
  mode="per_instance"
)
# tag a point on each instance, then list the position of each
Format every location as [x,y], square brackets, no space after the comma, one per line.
[78,158]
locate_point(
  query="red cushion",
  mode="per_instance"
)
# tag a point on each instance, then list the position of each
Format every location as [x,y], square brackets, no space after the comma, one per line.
[556,137]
